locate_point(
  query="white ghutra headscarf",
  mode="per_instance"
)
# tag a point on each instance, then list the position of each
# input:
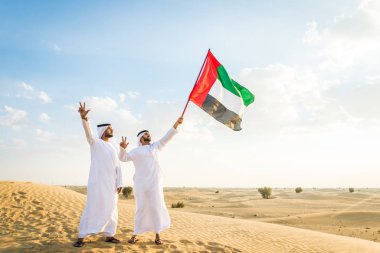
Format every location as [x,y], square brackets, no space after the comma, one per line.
[139,135]
[102,128]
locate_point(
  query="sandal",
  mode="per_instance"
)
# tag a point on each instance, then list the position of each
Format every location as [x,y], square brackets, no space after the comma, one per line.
[112,239]
[78,244]
[158,241]
[133,240]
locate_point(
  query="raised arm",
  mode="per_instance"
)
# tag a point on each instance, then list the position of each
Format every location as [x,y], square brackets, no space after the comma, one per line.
[124,156]
[86,124]
[169,135]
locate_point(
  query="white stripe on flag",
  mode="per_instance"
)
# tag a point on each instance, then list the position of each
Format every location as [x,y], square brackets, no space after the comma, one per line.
[229,100]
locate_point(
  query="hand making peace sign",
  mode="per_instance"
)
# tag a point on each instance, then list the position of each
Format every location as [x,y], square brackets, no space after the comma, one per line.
[82,110]
[124,143]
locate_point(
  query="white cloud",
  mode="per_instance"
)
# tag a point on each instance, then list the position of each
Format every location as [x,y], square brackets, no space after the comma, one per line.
[14,144]
[102,104]
[73,108]
[57,48]
[347,49]
[290,98]
[312,35]
[130,94]
[133,94]
[14,118]
[126,115]
[44,97]
[152,101]
[26,86]
[372,7]
[363,102]
[373,79]
[52,46]
[161,101]
[122,97]
[196,129]
[44,117]
[44,136]
[350,41]
[28,92]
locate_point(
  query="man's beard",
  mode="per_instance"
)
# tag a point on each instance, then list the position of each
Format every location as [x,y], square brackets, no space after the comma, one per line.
[107,135]
[147,139]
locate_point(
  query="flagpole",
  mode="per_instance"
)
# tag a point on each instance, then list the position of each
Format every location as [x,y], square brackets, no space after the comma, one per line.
[188,100]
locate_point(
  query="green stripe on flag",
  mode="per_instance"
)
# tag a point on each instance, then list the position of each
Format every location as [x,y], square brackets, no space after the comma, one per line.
[247,96]
[234,87]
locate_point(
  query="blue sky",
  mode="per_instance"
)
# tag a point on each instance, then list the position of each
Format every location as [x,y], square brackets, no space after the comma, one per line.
[310,64]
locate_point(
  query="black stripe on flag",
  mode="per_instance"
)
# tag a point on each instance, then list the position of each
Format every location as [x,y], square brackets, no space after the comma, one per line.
[225,116]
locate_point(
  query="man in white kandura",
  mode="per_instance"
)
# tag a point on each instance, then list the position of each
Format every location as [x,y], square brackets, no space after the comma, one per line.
[104,183]
[151,212]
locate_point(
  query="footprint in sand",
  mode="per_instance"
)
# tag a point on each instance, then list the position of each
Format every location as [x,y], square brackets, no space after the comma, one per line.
[68,231]
[45,235]
[172,247]
[125,230]
[217,247]
[39,213]
[51,229]
[185,242]
[200,243]
[36,202]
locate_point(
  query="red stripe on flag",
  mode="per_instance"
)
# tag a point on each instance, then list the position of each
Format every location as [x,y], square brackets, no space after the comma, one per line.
[205,81]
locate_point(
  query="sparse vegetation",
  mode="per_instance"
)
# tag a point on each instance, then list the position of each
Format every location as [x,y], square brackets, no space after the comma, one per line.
[351,189]
[127,191]
[265,192]
[178,205]
[298,189]
[217,191]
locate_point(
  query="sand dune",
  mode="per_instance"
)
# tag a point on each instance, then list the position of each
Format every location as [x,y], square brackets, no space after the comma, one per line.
[40,218]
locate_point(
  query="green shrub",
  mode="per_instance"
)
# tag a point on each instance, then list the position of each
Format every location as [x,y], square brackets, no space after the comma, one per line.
[265,192]
[298,190]
[178,205]
[351,189]
[127,191]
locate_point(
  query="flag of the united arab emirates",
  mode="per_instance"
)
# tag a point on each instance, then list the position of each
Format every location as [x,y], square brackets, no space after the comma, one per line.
[220,96]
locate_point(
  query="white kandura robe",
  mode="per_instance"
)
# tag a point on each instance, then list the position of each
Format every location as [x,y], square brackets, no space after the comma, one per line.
[100,214]
[151,212]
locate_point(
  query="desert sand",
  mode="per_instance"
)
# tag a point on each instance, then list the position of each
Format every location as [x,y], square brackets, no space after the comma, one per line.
[41,218]
[334,211]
